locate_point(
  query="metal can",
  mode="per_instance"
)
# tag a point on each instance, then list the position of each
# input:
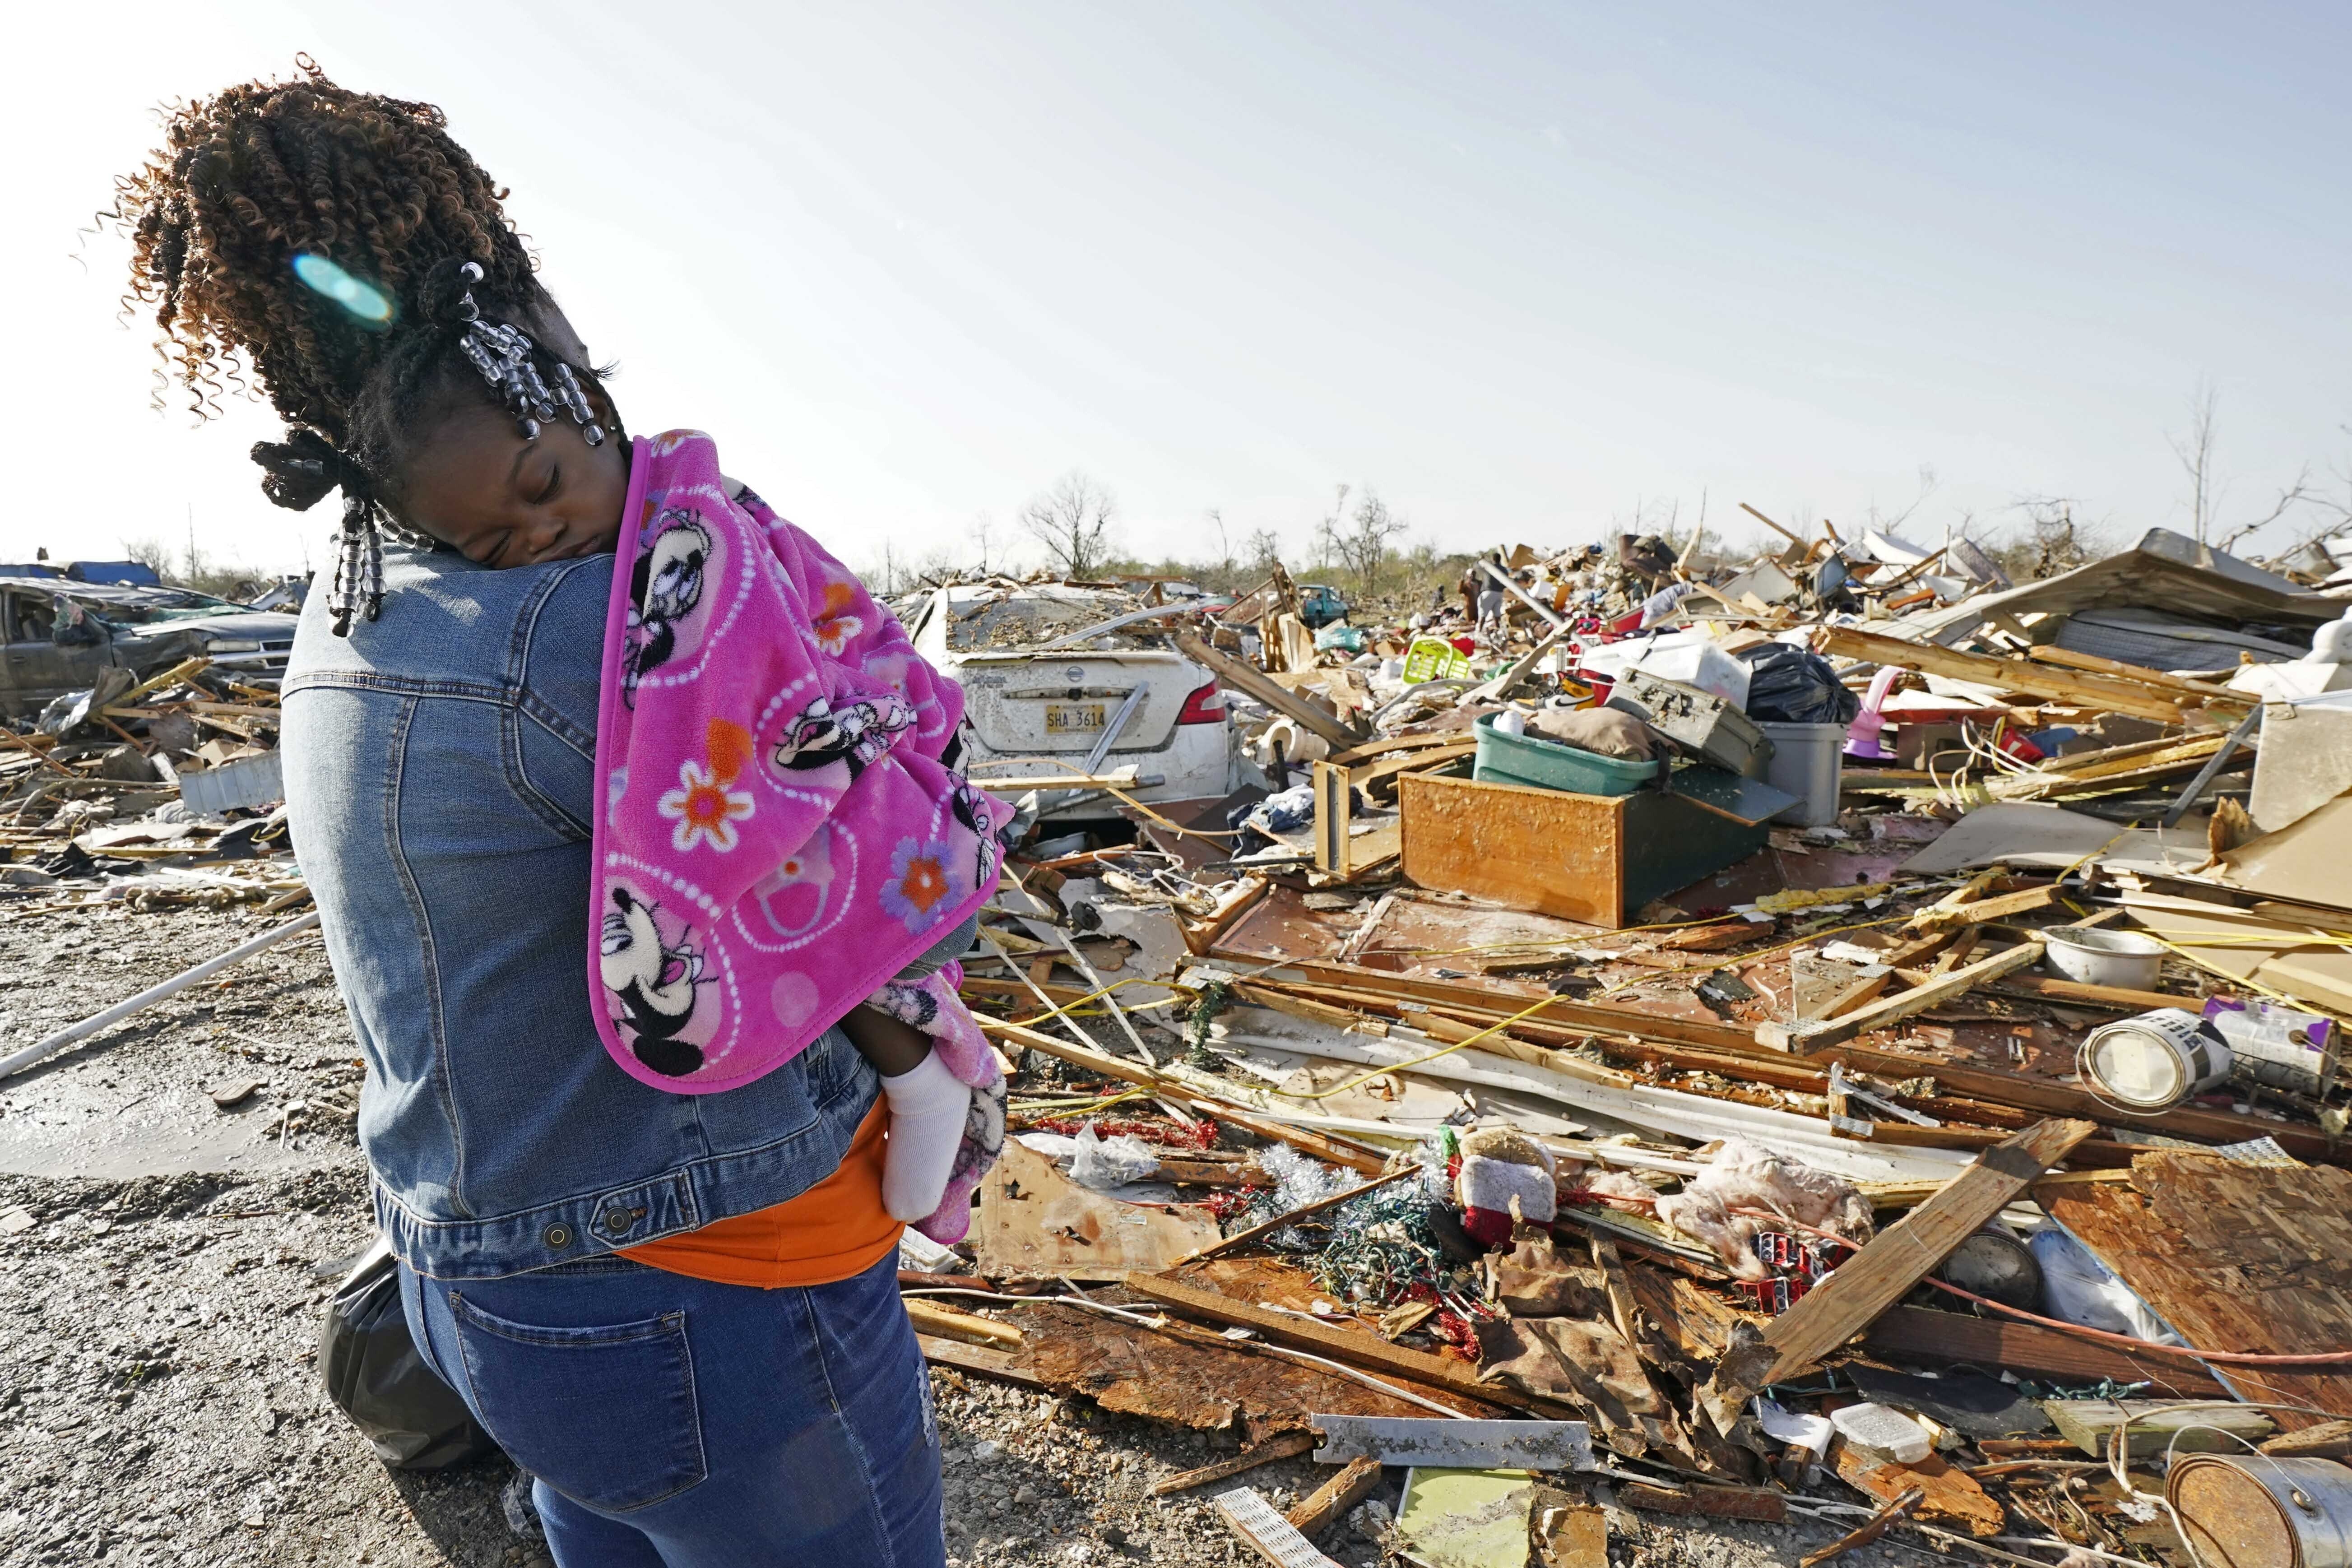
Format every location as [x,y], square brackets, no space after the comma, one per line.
[2156,1060]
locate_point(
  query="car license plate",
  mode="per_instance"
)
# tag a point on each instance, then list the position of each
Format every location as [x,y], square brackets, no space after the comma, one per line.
[1073,718]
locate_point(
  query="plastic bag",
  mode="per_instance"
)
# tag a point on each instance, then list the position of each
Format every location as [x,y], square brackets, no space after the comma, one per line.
[373,1374]
[1102,1163]
[1791,685]
[2078,1288]
[1345,638]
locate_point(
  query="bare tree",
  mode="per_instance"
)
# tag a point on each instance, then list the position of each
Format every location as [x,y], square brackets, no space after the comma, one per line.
[1327,548]
[151,552]
[1225,550]
[1264,550]
[1364,547]
[1072,521]
[2194,449]
[983,528]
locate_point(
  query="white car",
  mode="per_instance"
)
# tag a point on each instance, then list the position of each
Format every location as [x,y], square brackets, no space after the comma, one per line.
[1045,710]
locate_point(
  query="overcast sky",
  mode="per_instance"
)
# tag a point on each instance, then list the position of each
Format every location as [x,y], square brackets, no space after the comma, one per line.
[1519,268]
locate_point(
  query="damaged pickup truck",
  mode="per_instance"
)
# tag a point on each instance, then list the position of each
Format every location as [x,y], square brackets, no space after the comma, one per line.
[141,629]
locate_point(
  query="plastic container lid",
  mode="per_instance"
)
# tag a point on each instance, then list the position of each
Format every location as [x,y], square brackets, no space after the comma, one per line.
[1889,1431]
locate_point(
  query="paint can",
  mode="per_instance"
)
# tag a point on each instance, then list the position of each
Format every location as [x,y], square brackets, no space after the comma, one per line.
[2252,1512]
[1996,1264]
[2156,1060]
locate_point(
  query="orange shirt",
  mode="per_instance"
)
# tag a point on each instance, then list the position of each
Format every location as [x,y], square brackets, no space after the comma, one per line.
[836,1230]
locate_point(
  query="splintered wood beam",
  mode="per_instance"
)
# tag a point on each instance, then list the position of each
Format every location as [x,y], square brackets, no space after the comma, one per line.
[1357,1480]
[1282,1446]
[1977,911]
[986,1359]
[1803,1038]
[1899,1256]
[1254,683]
[2106,692]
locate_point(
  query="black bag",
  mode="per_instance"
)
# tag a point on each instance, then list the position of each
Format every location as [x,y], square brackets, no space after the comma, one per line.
[375,1376]
[1791,685]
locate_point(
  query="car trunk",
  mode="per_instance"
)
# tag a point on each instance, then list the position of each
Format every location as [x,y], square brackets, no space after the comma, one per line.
[1058,704]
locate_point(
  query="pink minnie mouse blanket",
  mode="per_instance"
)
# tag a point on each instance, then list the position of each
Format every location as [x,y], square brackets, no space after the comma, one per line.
[783,827]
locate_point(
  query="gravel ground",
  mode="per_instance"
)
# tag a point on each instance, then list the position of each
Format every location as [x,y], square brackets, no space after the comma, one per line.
[164,1264]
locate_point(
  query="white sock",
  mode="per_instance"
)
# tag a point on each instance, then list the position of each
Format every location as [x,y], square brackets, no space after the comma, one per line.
[927,1110]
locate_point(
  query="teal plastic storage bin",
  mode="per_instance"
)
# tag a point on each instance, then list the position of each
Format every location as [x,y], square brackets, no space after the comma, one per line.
[1548,764]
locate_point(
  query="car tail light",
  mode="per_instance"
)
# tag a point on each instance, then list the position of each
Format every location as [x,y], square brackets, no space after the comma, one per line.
[1207,706]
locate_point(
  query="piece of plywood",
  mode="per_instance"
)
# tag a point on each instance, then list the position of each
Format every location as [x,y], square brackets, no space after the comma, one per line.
[1364,1350]
[1035,1223]
[1189,1377]
[1948,1496]
[2236,1258]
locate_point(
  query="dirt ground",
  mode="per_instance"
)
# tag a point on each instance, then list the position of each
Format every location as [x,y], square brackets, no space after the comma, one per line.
[164,1264]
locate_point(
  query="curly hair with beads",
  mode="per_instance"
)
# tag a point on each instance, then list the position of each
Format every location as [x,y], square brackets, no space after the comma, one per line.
[252,178]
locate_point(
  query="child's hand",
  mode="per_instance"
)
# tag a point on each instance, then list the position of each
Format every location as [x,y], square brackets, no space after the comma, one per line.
[928,1111]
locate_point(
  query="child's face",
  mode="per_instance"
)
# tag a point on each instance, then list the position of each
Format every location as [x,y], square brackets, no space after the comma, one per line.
[499,501]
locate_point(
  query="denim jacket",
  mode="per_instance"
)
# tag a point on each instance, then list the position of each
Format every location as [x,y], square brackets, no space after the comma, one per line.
[440,774]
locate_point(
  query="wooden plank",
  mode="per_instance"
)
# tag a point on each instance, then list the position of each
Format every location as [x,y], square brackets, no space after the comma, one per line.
[2052,653]
[2186,1426]
[1367,1351]
[945,1322]
[1335,805]
[1357,1479]
[1863,990]
[2236,1258]
[2028,1350]
[1758,1503]
[1283,1446]
[1899,1256]
[1975,912]
[2048,989]
[1428,757]
[986,1359]
[1803,1038]
[2084,689]
[1254,683]
[1390,747]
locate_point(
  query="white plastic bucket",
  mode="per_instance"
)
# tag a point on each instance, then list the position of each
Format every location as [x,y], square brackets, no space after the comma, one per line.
[1808,762]
[2105,958]
[2155,1061]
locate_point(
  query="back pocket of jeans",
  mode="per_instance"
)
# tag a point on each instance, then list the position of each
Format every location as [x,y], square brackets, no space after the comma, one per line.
[605,1415]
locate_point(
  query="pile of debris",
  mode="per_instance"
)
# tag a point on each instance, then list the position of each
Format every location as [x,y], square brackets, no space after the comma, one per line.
[1838,1038]
[154,792]
[1852,1040]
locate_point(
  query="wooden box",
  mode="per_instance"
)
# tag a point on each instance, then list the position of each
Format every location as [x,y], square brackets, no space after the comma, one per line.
[1592,858]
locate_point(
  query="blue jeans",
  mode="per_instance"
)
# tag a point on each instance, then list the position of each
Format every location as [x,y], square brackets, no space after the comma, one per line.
[673,1422]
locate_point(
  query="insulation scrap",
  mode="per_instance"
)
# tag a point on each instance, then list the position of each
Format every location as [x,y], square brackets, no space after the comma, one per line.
[1742,1176]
